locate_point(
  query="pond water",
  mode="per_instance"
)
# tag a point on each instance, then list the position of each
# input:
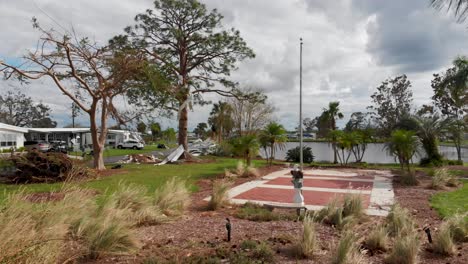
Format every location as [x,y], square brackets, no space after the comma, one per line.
[375,152]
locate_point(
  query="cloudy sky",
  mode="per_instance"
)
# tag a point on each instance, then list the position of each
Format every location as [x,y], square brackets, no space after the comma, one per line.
[350,46]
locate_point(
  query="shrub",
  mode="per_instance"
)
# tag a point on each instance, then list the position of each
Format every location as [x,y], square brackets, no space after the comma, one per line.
[399,221]
[347,251]
[219,194]
[309,242]
[352,205]
[293,155]
[405,249]
[443,241]
[441,178]
[458,226]
[173,197]
[435,161]
[377,239]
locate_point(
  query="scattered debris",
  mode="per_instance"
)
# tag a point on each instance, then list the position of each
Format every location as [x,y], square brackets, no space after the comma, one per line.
[139,158]
[174,156]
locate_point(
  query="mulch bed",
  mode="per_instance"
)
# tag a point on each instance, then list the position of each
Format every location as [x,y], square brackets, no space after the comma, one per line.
[202,232]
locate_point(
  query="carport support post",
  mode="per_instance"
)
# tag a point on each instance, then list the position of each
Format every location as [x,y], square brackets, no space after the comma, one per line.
[301,158]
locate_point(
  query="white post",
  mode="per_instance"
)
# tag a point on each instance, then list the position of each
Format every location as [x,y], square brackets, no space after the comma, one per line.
[300,109]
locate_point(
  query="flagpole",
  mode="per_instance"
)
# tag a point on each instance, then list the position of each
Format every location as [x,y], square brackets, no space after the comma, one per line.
[300,108]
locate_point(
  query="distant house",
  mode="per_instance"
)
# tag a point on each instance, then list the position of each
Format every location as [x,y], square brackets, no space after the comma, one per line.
[11,136]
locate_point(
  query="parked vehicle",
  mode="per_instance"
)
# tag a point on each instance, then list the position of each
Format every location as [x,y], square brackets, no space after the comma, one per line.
[133,144]
[58,146]
[39,145]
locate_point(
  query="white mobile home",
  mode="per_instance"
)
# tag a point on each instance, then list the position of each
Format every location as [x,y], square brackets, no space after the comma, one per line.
[11,136]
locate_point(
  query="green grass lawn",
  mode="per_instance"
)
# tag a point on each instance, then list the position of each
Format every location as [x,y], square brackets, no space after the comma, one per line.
[449,203]
[143,174]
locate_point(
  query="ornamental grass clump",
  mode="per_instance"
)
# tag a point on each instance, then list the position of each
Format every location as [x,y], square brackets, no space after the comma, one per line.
[27,233]
[377,239]
[405,249]
[309,242]
[139,209]
[347,251]
[442,178]
[173,197]
[352,205]
[458,225]
[443,241]
[399,221]
[219,194]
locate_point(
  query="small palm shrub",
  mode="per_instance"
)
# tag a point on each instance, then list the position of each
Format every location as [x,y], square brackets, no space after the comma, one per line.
[399,221]
[173,197]
[377,239]
[405,250]
[347,251]
[309,242]
[219,194]
[443,241]
[293,155]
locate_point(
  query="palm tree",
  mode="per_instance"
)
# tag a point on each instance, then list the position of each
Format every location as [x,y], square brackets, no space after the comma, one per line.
[273,137]
[403,144]
[459,6]
[221,120]
[428,131]
[246,146]
[333,113]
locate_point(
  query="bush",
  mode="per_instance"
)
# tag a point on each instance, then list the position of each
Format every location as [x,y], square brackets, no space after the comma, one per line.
[341,215]
[399,221]
[453,162]
[436,161]
[443,241]
[309,242]
[224,150]
[173,197]
[347,251]
[248,244]
[405,249]
[219,194]
[36,166]
[293,155]
[377,239]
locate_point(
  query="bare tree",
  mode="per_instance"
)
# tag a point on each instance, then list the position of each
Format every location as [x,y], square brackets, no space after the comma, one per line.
[251,112]
[92,76]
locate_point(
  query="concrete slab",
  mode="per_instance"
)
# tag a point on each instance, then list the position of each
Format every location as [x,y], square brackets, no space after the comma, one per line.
[320,186]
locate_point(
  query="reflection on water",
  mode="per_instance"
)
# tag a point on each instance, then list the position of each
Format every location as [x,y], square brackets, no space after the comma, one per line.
[375,152]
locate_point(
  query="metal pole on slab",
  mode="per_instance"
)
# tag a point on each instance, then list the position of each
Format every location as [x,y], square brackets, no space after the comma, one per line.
[300,109]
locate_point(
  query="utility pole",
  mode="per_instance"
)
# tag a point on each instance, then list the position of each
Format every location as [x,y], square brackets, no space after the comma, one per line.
[75,112]
[300,108]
